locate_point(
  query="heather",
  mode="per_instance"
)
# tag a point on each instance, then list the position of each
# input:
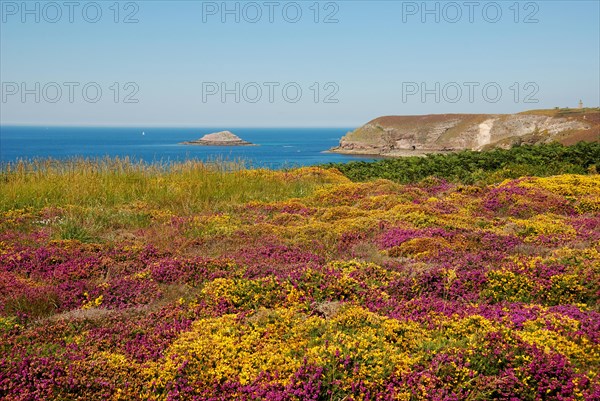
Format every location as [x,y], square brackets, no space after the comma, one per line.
[197,281]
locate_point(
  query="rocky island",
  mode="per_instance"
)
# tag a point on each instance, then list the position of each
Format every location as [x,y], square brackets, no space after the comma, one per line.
[438,133]
[222,138]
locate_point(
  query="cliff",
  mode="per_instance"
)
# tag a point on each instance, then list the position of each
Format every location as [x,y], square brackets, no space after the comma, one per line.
[401,135]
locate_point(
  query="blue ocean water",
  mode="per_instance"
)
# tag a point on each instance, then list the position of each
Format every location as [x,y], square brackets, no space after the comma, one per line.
[278,147]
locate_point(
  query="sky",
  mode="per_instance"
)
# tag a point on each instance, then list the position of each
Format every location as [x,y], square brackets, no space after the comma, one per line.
[282,63]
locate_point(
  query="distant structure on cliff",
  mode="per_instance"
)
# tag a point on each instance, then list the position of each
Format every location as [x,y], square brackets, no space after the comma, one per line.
[581,104]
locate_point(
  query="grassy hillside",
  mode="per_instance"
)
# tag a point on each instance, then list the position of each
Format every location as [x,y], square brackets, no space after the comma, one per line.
[394,135]
[567,112]
[374,132]
[590,115]
[123,281]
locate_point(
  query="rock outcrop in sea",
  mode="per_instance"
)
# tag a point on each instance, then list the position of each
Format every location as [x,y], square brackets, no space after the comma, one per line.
[222,138]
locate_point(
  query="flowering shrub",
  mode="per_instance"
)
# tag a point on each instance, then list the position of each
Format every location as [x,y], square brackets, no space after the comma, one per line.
[354,291]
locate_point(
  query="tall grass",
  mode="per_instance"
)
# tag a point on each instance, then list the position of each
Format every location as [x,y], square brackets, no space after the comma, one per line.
[186,187]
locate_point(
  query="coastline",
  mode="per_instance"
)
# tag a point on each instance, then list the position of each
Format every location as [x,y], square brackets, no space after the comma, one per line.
[390,154]
[224,143]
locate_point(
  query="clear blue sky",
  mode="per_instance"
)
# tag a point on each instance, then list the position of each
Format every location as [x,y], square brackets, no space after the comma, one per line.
[371,57]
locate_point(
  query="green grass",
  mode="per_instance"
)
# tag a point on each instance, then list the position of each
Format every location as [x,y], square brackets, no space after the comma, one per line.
[74,229]
[187,187]
[94,200]
[561,112]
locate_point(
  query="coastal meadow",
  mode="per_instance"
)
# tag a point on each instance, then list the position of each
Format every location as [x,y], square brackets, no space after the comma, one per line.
[210,281]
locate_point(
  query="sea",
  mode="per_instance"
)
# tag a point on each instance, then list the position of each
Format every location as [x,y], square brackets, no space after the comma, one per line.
[277,147]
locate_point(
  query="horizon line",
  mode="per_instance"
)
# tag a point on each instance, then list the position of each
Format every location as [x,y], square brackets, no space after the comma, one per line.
[167,126]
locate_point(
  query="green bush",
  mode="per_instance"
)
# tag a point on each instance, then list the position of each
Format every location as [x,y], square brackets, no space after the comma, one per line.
[469,167]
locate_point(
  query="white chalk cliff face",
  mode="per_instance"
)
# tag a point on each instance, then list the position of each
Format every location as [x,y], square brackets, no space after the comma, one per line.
[397,135]
[222,138]
[485,134]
